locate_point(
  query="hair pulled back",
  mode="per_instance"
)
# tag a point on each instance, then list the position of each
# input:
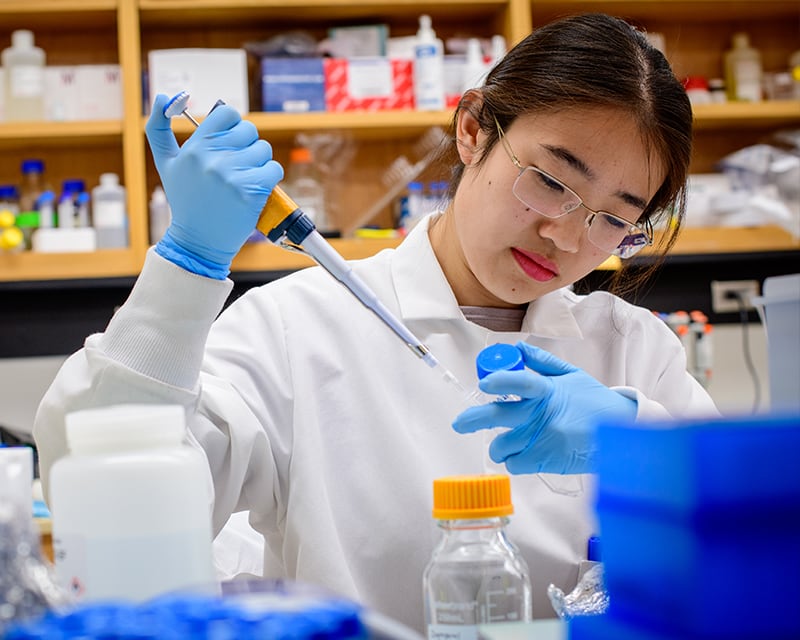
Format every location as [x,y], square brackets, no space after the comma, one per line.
[593,60]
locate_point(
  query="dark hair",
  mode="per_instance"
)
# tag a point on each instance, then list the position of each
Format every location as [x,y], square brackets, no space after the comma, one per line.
[593,60]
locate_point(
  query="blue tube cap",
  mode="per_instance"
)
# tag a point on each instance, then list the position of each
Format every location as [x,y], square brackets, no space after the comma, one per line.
[498,357]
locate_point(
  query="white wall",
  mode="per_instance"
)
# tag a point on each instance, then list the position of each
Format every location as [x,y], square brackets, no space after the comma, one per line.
[25,380]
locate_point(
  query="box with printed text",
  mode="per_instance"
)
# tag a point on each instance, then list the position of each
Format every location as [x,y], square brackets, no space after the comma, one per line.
[368,84]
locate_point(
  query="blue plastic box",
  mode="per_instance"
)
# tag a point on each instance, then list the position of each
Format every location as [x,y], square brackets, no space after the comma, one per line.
[295,85]
[700,525]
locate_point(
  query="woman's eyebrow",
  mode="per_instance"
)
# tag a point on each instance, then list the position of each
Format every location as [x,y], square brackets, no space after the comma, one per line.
[576,163]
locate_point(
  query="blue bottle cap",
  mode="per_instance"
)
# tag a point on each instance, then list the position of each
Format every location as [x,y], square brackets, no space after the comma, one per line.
[73,186]
[32,166]
[593,549]
[498,357]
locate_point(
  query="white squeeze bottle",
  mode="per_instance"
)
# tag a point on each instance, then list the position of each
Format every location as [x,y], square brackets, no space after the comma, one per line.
[23,65]
[428,68]
[109,216]
[474,68]
[160,214]
[130,505]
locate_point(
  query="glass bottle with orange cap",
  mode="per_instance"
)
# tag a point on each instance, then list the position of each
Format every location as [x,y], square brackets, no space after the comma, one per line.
[476,575]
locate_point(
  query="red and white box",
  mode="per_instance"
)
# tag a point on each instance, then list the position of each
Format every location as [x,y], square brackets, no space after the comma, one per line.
[368,84]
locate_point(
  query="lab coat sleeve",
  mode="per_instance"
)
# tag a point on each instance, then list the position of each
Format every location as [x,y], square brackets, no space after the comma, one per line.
[151,352]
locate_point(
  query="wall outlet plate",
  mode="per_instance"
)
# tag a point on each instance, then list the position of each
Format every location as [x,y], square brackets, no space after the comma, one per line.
[724,295]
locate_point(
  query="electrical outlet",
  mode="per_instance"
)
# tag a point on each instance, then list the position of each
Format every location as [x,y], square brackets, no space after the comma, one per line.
[723,299]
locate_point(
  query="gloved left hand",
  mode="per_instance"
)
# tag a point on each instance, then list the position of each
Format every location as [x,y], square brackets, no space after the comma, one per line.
[217,184]
[552,426]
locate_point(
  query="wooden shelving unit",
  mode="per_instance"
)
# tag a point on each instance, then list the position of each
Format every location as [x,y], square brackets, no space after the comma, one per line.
[123,31]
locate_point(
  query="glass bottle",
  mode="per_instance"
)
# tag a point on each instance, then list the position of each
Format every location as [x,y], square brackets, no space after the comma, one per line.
[305,187]
[475,575]
[33,183]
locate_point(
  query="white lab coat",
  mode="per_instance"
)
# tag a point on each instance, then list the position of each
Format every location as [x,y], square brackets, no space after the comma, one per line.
[330,431]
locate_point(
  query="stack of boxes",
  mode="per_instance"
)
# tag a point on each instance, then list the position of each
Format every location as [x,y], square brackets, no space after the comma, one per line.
[700,526]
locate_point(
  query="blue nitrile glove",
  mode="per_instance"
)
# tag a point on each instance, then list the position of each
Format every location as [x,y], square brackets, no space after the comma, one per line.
[552,426]
[217,184]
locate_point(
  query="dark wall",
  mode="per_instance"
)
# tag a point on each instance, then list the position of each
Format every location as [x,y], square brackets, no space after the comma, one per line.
[54,317]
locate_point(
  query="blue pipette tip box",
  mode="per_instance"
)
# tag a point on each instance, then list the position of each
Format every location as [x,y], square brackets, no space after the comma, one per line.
[700,523]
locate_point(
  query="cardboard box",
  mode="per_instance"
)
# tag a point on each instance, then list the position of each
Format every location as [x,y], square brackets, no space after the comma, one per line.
[294,85]
[207,75]
[83,92]
[369,84]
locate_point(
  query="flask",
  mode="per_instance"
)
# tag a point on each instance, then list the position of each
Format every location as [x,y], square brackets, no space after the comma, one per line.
[475,575]
[130,505]
[109,216]
[743,70]
[33,183]
[23,64]
[305,188]
[428,68]
[160,214]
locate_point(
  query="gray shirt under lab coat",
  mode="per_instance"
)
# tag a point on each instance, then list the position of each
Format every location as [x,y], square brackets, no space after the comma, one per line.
[330,431]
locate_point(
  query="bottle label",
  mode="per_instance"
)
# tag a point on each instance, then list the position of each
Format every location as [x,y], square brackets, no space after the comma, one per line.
[27,82]
[452,632]
[132,567]
[109,214]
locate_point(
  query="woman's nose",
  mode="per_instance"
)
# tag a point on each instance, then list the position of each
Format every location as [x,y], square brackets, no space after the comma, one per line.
[566,232]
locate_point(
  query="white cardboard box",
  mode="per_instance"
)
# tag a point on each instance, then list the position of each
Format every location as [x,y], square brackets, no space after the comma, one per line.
[207,75]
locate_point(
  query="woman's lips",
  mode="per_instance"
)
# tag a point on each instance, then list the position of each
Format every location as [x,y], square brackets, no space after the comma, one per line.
[537,267]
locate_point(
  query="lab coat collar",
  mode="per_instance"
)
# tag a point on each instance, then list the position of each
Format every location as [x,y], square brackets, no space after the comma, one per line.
[424,293]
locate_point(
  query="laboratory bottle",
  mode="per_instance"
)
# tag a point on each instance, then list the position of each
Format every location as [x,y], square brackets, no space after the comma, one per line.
[109,216]
[46,206]
[428,68]
[475,575]
[305,187]
[23,65]
[130,505]
[160,214]
[474,67]
[33,183]
[9,198]
[743,70]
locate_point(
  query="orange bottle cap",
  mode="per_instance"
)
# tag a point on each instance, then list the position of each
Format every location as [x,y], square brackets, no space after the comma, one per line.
[472,497]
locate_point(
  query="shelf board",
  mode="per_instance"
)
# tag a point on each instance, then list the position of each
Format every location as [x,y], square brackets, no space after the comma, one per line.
[245,12]
[360,124]
[772,113]
[90,132]
[716,240]
[673,10]
[108,263]
[36,14]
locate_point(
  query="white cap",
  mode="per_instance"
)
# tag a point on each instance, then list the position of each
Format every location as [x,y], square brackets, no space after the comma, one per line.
[109,179]
[125,426]
[16,477]
[22,39]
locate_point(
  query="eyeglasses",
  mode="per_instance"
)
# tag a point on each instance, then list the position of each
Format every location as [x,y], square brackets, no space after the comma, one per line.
[552,198]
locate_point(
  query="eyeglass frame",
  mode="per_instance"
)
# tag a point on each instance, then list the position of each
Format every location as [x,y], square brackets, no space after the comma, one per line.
[646,231]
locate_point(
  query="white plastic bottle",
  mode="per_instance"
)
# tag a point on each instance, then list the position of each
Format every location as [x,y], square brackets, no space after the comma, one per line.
[305,187]
[23,65]
[428,68]
[109,216]
[130,505]
[474,67]
[475,575]
[743,71]
[160,214]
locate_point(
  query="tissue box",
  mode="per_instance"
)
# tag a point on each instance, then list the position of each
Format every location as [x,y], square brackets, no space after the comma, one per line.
[207,74]
[368,84]
[294,85]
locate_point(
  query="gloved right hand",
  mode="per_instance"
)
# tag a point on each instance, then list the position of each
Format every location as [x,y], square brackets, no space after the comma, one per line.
[217,184]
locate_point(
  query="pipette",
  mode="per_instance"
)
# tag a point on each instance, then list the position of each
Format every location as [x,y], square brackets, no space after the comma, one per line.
[285,224]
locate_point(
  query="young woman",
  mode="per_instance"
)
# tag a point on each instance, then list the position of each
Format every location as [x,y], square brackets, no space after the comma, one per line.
[320,422]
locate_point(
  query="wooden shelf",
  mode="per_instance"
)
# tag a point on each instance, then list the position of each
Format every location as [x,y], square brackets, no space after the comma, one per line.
[774,113]
[29,266]
[59,134]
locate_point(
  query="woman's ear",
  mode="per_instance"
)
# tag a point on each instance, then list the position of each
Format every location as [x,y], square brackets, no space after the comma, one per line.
[468,128]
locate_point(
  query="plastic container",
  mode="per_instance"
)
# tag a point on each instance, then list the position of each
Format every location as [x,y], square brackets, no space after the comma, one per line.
[475,575]
[9,199]
[743,72]
[160,214]
[33,184]
[699,525]
[781,304]
[429,94]
[23,64]
[130,505]
[305,188]
[474,67]
[109,215]
[16,478]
